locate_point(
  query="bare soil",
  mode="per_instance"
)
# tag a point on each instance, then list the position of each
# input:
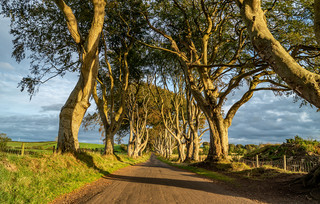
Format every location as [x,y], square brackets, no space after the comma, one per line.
[157,182]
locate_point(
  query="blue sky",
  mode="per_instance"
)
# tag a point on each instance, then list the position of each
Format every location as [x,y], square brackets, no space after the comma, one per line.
[264,119]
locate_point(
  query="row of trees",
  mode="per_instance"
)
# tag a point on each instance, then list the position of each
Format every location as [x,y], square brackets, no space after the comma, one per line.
[200,51]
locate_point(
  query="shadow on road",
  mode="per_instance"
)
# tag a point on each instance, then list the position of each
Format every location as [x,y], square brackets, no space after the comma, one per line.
[194,185]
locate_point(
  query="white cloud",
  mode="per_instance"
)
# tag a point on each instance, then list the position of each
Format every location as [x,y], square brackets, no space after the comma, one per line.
[6,66]
[304,117]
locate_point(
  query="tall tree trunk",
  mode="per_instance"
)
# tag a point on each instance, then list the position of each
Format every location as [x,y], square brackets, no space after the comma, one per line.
[170,144]
[196,147]
[181,153]
[130,143]
[218,140]
[305,83]
[189,146]
[137,146]
[109,143]
[73,111]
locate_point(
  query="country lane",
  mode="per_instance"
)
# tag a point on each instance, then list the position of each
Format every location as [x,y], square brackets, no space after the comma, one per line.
[157,182]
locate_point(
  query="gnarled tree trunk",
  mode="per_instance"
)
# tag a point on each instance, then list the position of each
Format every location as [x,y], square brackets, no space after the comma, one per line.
[218,140]
[305,83]
[130,142]
[73,111]
[109,143]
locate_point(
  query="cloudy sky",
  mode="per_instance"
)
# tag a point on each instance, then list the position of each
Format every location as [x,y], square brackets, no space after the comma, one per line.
[264,119]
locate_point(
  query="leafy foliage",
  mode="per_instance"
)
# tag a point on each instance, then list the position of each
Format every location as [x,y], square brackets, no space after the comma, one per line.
[42,36]
[4,139]
[239,149]
[296,147]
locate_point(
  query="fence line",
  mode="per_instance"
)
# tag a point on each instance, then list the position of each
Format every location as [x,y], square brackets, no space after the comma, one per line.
[25,151]
[284,163]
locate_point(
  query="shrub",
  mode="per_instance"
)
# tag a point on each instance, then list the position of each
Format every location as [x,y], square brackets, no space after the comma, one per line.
[124,147]
[3,141]
[206,146]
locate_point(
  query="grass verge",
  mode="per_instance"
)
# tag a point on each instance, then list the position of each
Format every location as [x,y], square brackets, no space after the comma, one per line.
[41,179]
[199,171]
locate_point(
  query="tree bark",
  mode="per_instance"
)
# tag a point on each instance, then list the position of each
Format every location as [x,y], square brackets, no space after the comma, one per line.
[305,83]
[189,146]
[181,153]
[73,111]
[137,146]
[130,142]
[218,150]
[109,143]
[196,147]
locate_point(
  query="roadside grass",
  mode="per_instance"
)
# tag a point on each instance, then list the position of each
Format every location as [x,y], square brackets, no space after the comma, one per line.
[265,172]
[230,171]
[199,171]
[30,145]
[42,178]
[91,146]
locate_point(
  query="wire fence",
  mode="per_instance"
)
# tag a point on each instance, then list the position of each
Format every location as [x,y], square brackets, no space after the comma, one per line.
[52,150]
[290,164]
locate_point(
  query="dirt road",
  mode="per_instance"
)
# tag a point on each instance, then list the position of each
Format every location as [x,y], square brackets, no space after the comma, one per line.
[156,182]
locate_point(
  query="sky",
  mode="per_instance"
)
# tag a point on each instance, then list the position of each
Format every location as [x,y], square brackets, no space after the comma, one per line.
[266,118]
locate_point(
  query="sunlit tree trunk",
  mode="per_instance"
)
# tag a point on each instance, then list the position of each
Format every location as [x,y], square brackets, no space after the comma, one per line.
[131,142]
[305,83]
[109,143]
[73,111]
[196,147]
[181,151]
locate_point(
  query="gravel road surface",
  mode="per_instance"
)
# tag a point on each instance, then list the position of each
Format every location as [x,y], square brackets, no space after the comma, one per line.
[157,182]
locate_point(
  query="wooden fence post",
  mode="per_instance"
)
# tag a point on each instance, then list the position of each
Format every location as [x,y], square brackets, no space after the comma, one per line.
[284,162]
[257,161]
[22,149]
[53,149]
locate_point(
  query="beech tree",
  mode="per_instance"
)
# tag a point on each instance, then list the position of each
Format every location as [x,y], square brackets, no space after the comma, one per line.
[215,57]
[121,63]
[55,33]
[195,125]
[138,116]
[303,81]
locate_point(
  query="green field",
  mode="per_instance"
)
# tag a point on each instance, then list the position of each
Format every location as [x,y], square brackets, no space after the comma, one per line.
[47,147]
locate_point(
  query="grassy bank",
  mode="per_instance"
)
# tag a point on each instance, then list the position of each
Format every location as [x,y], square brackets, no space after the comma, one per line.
[200,171]
[40,179]
[232,171]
